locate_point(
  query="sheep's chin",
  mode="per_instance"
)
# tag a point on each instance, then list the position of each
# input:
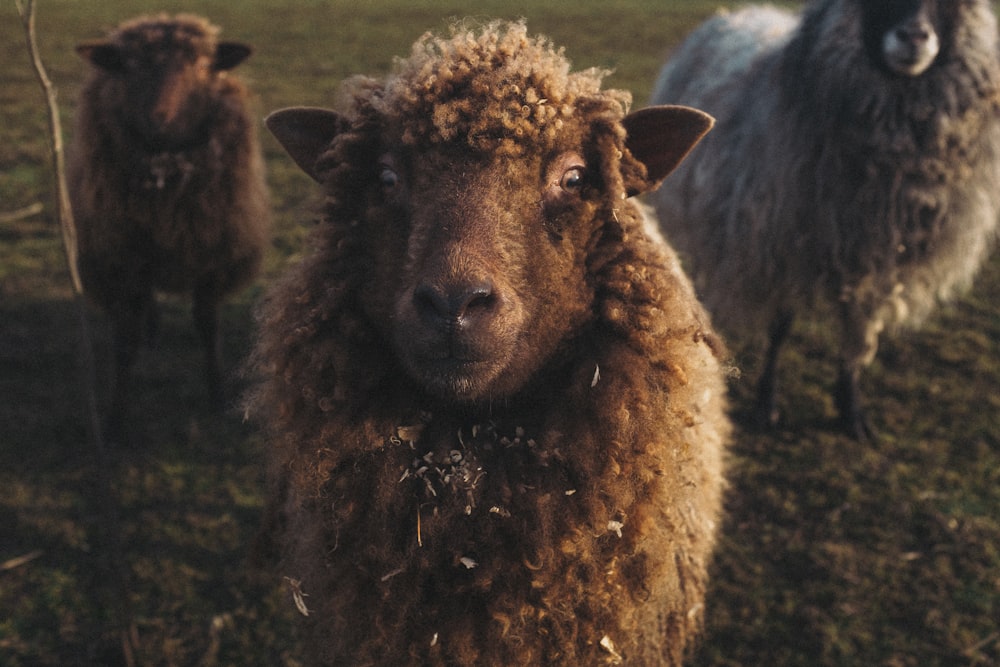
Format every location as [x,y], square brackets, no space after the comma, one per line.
[904,58]
[456,380]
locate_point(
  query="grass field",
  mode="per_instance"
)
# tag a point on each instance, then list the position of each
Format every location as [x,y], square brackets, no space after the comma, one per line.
[832,552]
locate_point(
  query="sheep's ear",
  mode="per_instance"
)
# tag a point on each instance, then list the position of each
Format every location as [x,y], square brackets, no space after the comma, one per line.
[102,54]
[661,137]
[305,132]
[230,54]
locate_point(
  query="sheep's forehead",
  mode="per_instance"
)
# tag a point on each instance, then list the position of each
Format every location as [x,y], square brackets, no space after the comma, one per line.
[886,14]
[499,90]
[451,170]
[188,36]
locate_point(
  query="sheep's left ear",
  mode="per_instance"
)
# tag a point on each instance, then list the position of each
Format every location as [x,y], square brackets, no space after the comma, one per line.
[230,54]
[103,54]
[661,137]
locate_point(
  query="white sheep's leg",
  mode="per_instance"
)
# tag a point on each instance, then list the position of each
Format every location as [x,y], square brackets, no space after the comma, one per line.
[861,330]
[766,411]
[206,320]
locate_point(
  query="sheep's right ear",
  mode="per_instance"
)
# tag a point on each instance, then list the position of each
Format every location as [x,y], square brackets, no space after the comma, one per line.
[305,132]
[102,54]
[230,54]
[661,137]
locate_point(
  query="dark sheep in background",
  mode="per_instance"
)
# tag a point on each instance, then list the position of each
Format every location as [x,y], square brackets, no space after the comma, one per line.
[495,412]
[856,160]
[167,181]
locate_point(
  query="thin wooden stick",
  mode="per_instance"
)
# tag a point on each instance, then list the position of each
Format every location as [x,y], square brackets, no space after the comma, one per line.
[27,11]
[112,541]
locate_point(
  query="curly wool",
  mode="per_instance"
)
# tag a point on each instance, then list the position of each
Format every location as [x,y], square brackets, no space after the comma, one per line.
[167,182]
[158,216]
[572,532]
[568,523]
[499,88]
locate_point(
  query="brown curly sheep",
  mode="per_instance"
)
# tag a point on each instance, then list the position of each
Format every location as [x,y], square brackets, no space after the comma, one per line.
[495,413]
[167,180]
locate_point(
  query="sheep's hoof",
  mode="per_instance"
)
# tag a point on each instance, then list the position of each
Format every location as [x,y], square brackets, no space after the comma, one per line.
[765,415]
[858,427]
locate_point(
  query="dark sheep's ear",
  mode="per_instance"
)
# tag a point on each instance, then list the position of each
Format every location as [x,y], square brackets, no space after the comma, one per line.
[102,54]
[230,54]
[305,132]
[661,137]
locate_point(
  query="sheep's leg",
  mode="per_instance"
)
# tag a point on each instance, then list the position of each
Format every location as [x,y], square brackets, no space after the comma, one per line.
[766,411]
[151,322]
[861,331]
[128,320]
[206,319]
[848,398]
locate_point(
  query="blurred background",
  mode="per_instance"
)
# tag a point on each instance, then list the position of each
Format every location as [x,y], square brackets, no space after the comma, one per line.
[832,552]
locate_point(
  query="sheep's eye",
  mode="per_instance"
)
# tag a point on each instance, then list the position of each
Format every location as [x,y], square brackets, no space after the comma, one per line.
[388,179]
[572,179]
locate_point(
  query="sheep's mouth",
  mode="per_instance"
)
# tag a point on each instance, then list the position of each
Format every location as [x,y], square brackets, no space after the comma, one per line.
[911,65]
[907,58]
[452,369]
[454,375]
[458,352]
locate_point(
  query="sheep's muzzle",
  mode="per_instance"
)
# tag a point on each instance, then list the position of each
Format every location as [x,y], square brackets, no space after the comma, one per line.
[457,336]
[458,317]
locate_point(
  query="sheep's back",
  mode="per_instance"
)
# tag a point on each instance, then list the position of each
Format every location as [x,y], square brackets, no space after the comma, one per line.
[711,209]
[720,53]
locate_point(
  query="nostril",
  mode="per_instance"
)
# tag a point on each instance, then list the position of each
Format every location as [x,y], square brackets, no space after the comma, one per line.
[431,302]
[913,33]
[478,298]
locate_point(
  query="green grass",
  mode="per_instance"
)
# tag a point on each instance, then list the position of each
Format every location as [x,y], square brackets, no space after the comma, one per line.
[832,552]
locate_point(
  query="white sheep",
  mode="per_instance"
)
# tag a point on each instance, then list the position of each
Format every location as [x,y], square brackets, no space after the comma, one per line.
[856,159]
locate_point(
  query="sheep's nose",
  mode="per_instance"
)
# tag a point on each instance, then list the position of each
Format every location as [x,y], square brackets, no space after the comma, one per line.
[455,305]
[914,32]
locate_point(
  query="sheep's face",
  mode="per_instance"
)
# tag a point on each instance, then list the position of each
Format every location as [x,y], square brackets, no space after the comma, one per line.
[905,36]
[162,75]
[479,263]
[481,271]
[481,177]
